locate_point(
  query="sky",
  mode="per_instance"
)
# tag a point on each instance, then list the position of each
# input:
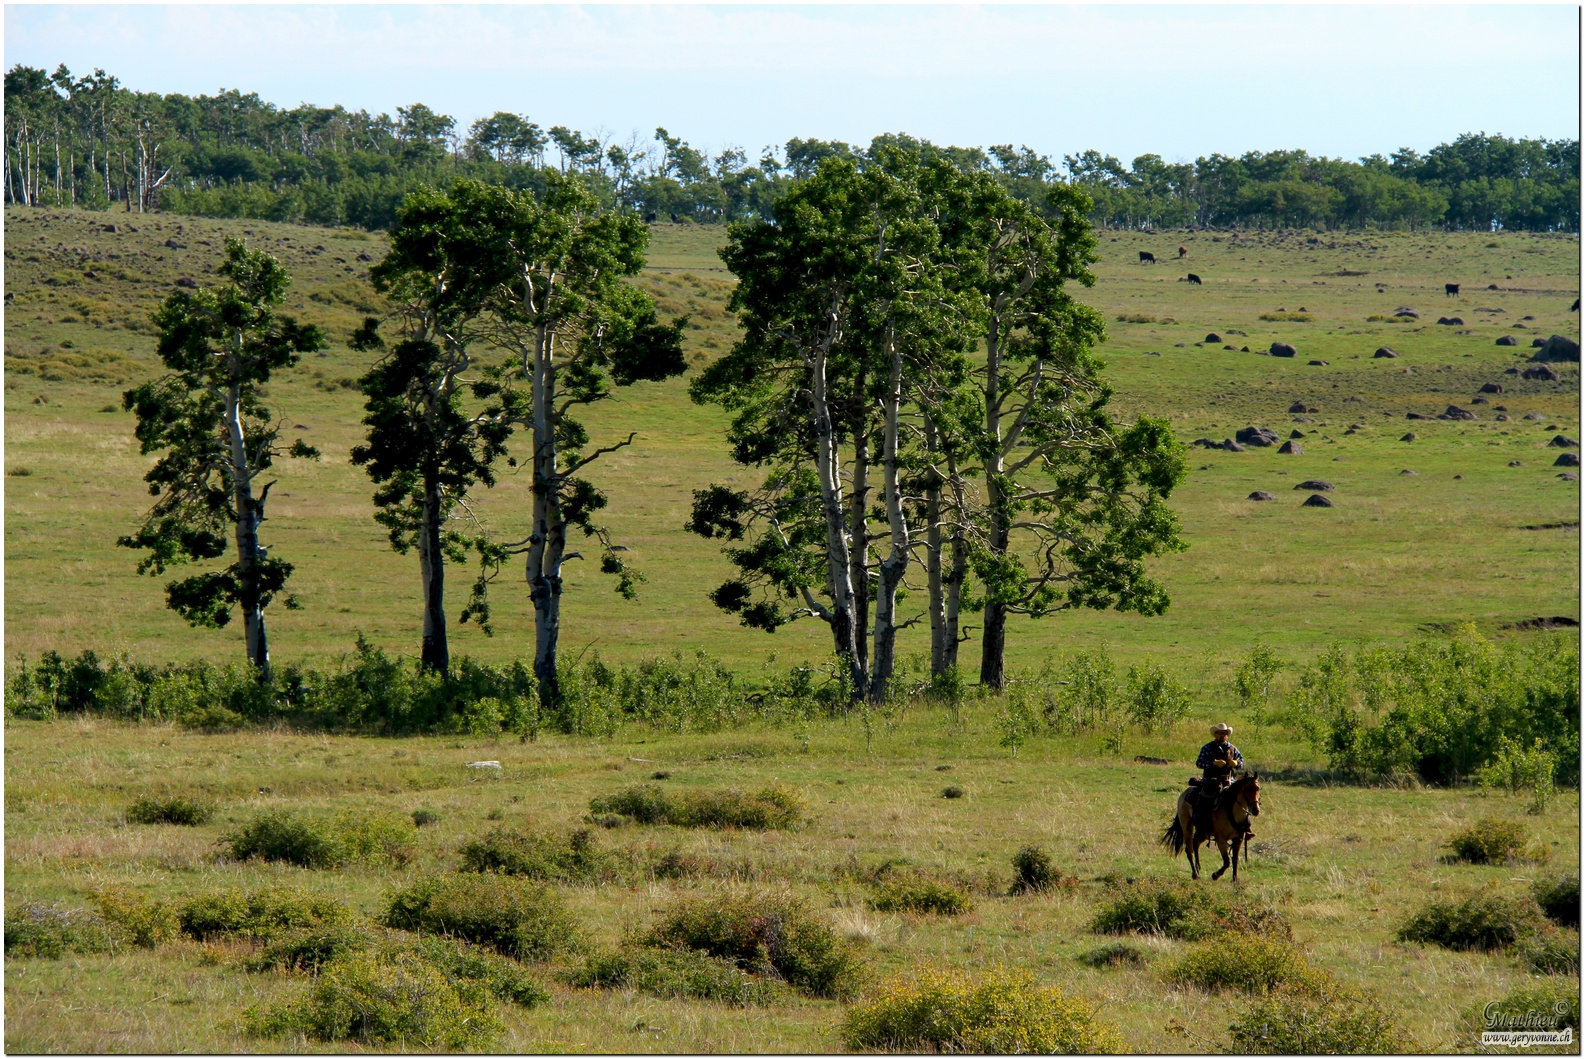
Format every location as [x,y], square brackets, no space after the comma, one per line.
[1177,80]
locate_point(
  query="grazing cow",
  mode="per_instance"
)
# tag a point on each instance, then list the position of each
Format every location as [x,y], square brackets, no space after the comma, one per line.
[1145,255]
[675,219]
[1195,279]
[649,218]
[1182,252]
[1575,306]
[1452,289]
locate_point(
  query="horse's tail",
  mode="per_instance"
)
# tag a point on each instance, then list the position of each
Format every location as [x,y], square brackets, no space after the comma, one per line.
[1173,838]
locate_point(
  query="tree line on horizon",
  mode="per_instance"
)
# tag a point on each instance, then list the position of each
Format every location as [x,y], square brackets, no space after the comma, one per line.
[915,383]
[88,141]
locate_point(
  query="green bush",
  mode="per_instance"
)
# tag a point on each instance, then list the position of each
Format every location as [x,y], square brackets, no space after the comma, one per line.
[144,923]
[374,837]
[259,913]
[1551,951]
[308,949]
[1154,700]
[186,812]
[538,856]
[901,892]
[1489,841]
[769,808]
[402,1003]
[677,973]
[1481,922]
[50,932]
[424,817]
[1114,954]
[522,919]
[1558,898]
[1316,1016]
[281,836]
[988,1014]
[1036,874]
[461,962]
[764,932]
[1552,999]
[1176,909]
[1244,962]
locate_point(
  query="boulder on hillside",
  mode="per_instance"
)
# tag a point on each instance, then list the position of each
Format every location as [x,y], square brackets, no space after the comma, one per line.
[1417,415]
[1259,437]
[1454,412]
[1567,459]
[1410,436]
[1562,441]
[1385,351]
[1299,406]
[1212,337]
[1316,500]
[1231,446]
[1297,434]
[1291,448]
[1451,321]
[1492,387]
[1541,372]
[1537,343]
[1282,349]
[1403,310]
[1407,471]
[1261,495]
[1506,340]
[1315,485]
[1558,348]
[1319,363]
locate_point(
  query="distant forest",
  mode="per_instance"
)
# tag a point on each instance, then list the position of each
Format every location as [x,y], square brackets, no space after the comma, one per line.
[87,141]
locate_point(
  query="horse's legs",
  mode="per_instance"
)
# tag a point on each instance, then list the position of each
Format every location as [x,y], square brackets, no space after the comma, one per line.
[1221,844]
[1237,848]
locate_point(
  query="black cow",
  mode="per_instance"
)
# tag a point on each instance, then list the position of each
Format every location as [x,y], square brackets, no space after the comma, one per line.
[1195,279]
[1145,255]
[1575,306]
[675,219]
[650,217]
[1452,289]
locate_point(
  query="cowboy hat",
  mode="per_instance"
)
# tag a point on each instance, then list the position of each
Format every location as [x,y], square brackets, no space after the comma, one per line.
[1223,727]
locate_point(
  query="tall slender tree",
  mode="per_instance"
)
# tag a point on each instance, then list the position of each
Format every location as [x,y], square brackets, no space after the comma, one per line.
[217,438]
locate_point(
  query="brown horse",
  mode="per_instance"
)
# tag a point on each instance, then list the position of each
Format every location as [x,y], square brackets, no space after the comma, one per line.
[1229,825]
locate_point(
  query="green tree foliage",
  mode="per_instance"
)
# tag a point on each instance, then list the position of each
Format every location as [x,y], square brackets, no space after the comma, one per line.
[208,420]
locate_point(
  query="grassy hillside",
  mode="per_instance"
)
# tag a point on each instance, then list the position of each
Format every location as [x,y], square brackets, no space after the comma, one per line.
[1397,554]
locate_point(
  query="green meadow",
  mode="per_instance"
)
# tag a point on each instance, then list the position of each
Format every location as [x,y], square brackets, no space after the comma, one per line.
[1484,531]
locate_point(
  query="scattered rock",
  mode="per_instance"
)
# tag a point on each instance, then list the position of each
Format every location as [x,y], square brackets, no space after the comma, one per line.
[1537,343]
[1319,363]
[1291,448]
[1451,321]
[1245,349]
[1385,352]
[1480,400]
[1260,495]
[1491,387]
[1515,463]
[1297,434]
[174,245]
[1504,419]
[112,229]
[364,257]
[1416,415]
[1212,337]
[187,281]
[1506,340]
[1534,417]
[1454,412]
[483,764]
[1567,459]
[1299,406]
[1543,372]
[1403,310]
[1282,349]
[1566,477]
[1316,500]
[1406,471]
[1559,348]
[90,274]
[1410,436]
[1457,477]
[1562,441]
[1538,624]
[1205,443]
[1259,437]
[1316,485]
[1231,446]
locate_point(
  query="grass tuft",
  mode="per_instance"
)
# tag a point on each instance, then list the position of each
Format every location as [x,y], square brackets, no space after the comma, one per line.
[1114,954]
[670,973]
[538,856]
[1489,841]
[771,807]
[519,918]
[1036,874]
[186,812]
[259,913]
[907,892]
[287,838]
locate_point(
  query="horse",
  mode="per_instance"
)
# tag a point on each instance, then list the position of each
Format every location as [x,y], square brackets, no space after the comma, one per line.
[1229,825]
[1182,252]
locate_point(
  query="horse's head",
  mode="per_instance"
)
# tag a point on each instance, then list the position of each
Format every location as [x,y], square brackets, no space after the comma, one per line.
[1248,793]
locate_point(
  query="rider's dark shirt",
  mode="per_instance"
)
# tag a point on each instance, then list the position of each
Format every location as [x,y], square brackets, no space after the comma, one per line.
[1212,752]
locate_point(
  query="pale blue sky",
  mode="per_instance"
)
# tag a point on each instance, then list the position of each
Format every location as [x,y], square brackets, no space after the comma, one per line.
[1176,80]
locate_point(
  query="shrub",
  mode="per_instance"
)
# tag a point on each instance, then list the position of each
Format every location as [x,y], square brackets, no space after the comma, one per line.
[769,808]
[1154,699]
[1114,954]
[536,856]
[404,1002]
[424,817]
[1483,921]
[1175,909]
[259,914]
[522,919]
[677,973]
[50,932]
[1558,898]
[1489,841]
[1549,1000]
[1316,1016]
[1551,951]
[461,962]
[1298,318]
[762,932]
[991,1013]
[308,949]
[952,792]
[374,837]
[917,893]
[280,836]
[1517,768]
[186,812]
[1036,874]
[1244,962]
[145,923]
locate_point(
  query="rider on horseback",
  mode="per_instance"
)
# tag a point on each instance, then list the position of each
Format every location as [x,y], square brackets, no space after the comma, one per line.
[1219,759]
